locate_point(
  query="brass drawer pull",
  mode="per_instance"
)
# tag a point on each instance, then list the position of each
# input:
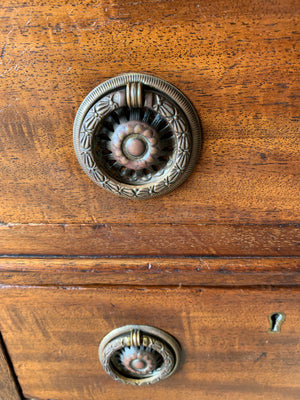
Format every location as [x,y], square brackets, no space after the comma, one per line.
[137,136]
[139,354]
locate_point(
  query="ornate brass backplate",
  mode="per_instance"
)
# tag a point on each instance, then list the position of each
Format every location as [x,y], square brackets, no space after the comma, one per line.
[137,136]
[139,354]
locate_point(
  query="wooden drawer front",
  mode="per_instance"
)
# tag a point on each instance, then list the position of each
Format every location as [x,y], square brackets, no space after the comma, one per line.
[236,63]
[52,335]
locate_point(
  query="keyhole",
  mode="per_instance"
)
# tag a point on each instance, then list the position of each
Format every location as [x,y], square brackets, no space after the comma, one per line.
[276,319]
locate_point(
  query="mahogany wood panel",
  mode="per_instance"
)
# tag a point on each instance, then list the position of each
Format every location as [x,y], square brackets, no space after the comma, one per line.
[236,61]
[150,239]
[53,337]
[9,389]
[205,271]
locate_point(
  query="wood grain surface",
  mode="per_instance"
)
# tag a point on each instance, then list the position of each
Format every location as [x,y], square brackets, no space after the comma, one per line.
[9,388]
[205,271]
[236,61]
[53,337]
[150,239]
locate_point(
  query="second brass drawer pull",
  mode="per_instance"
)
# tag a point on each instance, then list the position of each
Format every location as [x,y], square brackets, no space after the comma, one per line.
[139,354]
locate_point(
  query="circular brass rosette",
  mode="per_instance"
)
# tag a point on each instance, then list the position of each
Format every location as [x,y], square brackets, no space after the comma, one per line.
[139,354]
[137,136]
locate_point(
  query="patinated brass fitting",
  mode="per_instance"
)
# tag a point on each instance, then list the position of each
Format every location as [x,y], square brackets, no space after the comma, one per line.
[137,136]
[139,354]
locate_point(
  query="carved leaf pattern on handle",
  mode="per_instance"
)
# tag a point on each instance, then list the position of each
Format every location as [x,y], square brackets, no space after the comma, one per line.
[174,168]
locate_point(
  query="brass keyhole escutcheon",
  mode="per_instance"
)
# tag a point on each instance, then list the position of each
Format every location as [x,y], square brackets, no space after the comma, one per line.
[139,354]
[137,136]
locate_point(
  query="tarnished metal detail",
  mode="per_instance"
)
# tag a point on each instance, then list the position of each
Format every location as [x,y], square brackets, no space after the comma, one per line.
[140,362]
[137,136]
[139,354]
[135,337]
[135,146]
[134,94]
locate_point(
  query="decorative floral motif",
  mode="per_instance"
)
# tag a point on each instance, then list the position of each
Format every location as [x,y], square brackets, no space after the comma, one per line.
[180,127]
[106,105]
[138,360]
[144,135]
[100,110]
[159,357]
[163,107]
[165,177]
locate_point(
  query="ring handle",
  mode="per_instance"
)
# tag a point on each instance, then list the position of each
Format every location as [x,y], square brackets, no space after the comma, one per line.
[139,354]
[137,136]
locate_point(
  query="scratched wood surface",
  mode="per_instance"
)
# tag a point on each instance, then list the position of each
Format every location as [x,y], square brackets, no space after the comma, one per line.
[150,239]
[151,271]
[53,337]
[236,61]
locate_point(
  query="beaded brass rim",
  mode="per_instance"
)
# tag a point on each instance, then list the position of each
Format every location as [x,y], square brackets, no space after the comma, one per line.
[137,136]
[139,354]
